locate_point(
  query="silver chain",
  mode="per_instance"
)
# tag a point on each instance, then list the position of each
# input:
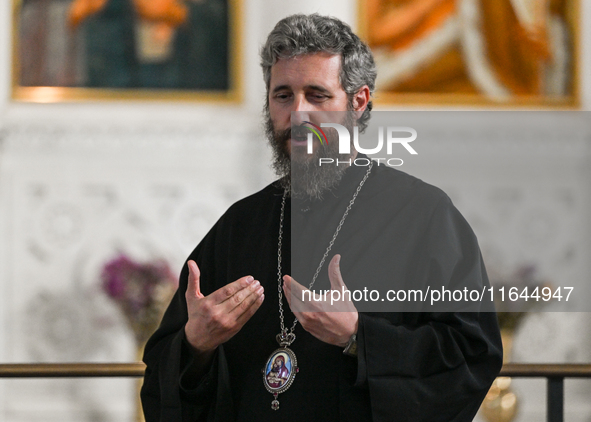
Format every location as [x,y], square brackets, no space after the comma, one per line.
[286,337]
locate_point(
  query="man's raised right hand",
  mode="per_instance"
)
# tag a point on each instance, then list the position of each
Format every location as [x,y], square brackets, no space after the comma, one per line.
[215,318]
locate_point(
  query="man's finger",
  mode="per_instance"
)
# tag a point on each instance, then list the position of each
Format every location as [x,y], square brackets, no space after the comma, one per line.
[223,293]
[287,289]
[334,273]
[193,288]
[288,282]
[235,301]
[249,306]
[298,297]
[294,287]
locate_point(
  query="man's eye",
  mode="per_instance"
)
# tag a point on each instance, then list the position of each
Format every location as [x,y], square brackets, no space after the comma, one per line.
[319,97]
[282,97]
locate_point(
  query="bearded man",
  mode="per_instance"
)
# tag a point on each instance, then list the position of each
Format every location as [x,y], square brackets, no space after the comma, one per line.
[234,310]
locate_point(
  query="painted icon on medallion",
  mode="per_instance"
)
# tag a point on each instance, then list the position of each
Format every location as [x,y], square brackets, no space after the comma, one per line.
[278,370]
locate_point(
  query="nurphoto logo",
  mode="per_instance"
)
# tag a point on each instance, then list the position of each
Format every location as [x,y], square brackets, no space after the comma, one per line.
[400,135]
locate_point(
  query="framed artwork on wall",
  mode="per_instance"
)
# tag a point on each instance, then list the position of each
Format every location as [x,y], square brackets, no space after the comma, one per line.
[85,50]
[474,52]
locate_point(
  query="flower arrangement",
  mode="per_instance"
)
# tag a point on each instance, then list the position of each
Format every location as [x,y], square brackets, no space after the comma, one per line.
[524,285]
[141,290]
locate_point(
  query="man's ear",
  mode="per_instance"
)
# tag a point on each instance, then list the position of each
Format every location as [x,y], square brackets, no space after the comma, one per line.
[361,99]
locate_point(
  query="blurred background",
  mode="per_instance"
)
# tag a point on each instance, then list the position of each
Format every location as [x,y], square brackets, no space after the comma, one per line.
[128,127]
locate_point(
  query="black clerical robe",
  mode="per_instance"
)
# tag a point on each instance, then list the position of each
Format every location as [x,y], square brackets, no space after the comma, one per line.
[411,366]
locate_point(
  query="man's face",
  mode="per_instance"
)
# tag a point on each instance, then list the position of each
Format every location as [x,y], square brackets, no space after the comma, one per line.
[309,85]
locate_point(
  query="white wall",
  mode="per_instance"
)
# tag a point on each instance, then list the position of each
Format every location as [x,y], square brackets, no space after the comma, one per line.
[78,180]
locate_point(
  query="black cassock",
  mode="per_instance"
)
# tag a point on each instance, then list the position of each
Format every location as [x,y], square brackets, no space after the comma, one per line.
[411,366]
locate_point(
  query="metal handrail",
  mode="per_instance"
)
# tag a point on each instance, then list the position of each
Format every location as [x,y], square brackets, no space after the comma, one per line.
[554,373]
[136,369]
[71,370]
[546,370]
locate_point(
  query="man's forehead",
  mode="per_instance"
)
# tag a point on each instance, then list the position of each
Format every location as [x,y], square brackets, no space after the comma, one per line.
[314,69]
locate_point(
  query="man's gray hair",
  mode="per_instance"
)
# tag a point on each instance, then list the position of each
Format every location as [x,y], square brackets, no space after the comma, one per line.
[304,34]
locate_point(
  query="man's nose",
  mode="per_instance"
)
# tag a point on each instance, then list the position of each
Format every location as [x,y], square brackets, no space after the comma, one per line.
[300,111]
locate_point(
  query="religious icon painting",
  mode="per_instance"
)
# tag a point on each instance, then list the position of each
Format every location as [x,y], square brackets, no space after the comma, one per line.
[510,52]
[78,50]
[279,372]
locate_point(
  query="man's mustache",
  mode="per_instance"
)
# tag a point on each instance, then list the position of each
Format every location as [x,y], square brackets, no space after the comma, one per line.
[299,132]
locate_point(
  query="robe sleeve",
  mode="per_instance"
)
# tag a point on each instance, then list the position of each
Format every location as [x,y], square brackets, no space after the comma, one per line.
[427,366]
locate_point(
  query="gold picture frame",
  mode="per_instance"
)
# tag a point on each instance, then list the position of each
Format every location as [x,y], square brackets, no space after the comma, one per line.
[390,35]
[153,67]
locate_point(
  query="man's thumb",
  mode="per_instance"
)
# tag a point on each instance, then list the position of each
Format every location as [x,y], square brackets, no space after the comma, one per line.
[334,273]
[194,274]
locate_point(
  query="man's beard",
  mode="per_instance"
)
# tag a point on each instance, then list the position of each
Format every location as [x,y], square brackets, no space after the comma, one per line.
[302,176]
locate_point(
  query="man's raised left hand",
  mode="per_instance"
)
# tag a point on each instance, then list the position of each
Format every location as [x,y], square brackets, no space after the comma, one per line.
[331,323]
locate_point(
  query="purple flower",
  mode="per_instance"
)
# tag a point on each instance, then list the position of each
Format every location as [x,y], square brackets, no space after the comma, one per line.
[142,290]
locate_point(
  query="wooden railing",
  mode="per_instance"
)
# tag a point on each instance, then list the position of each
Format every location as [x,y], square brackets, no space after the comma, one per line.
[554,373]
[71,370]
